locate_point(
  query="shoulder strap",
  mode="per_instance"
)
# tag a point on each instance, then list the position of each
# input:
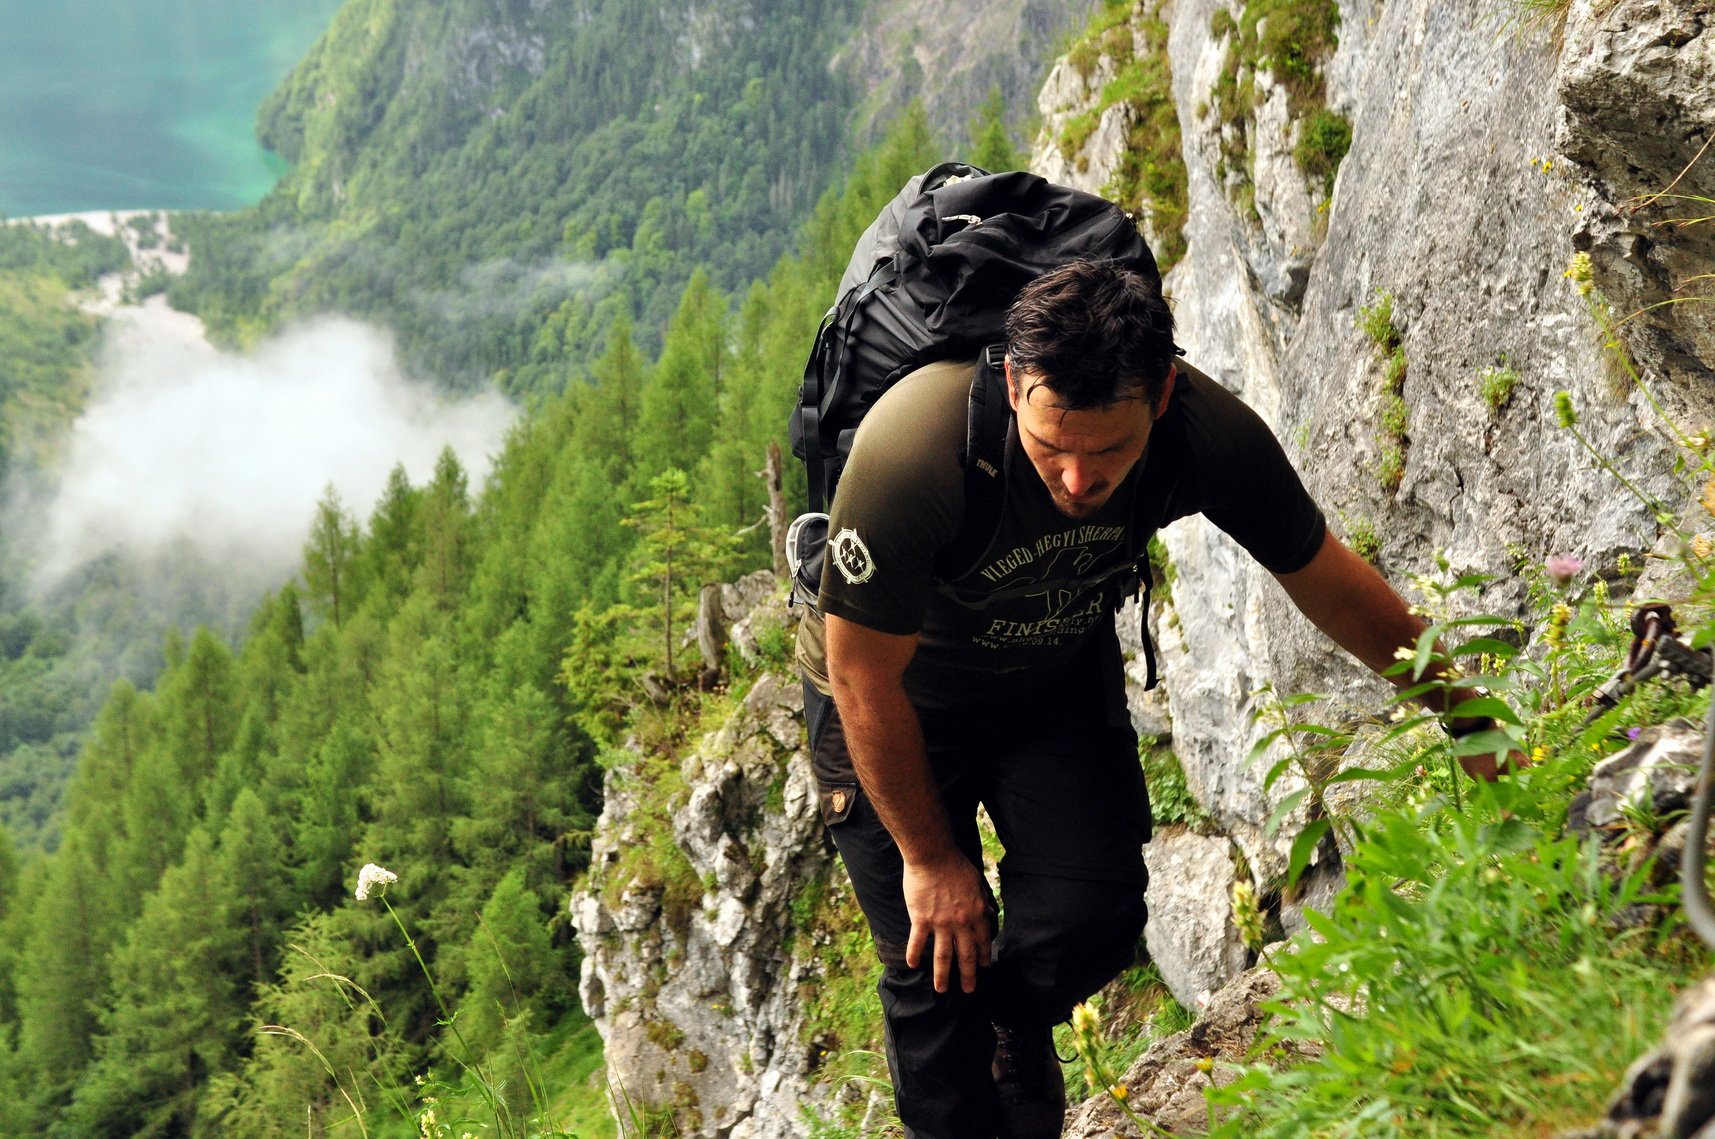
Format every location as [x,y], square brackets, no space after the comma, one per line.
[1167,453]
[988,427]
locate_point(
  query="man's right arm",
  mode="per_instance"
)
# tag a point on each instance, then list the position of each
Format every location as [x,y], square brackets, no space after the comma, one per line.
[944,892]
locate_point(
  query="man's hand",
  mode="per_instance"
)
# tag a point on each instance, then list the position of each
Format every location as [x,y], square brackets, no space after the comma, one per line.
[949,912]
[1485,768]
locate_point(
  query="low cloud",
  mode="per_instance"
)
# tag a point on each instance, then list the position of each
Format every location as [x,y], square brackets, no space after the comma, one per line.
[228,454]
[505,287]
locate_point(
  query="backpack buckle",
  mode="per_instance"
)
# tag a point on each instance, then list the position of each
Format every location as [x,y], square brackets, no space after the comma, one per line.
[995,356]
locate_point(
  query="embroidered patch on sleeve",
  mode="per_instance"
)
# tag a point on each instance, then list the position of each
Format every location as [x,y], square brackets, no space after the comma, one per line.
[851,557]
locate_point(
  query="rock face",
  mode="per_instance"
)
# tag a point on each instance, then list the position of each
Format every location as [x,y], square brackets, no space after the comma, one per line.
[692,972]
[1454,203]
[951,55]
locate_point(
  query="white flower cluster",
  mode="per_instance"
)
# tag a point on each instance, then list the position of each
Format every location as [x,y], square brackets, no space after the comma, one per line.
[372,876]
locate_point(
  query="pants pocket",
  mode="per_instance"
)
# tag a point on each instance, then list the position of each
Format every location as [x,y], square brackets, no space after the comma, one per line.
[837,801]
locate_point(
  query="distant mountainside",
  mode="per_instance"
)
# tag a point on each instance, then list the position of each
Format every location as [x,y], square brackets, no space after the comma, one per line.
[498,182]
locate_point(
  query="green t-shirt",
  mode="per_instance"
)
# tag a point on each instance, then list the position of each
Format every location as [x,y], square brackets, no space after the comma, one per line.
[1046,583]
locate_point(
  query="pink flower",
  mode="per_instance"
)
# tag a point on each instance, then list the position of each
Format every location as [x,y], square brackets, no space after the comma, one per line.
[1562,568]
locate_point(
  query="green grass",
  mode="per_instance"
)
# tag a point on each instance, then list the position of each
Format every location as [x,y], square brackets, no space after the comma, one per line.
[1487,972]
[572,1071]
[1150,177]
[1496,384]
[1290,39]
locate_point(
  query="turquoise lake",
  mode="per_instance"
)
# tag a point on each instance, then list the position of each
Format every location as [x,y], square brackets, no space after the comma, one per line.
[131,104]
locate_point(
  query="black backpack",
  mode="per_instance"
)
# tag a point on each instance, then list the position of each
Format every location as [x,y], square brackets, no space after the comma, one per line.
[931,279]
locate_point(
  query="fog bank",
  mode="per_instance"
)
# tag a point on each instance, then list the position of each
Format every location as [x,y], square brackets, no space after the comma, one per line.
[182,444]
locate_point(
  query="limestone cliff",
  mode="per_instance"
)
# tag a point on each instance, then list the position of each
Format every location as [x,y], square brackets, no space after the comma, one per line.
[1462,200]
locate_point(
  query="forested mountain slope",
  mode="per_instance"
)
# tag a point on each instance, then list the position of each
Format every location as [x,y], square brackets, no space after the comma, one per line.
[498,182]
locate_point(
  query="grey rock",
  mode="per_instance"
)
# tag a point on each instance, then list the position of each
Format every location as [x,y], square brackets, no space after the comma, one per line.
[700,1011]
[1191,936]
[1653,777]
[1634,86]
[1166,1084]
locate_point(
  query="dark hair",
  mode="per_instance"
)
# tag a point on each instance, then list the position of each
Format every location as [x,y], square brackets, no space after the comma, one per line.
[1094,333]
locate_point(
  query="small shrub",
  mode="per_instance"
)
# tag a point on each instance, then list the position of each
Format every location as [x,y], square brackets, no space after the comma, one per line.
[1497,383]
[1376,322]
[1170,798]
[1361,536]
[1323,141]
[1390,469]
[1393,378]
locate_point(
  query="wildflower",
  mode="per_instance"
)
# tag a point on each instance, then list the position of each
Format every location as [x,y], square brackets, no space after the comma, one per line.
[1624,564]
[1702,546]
[1086,1022]
[1562,568]
[1539,753]
[1564,413]
[1558,618]
[1204,1064]
[1633,733]
[1119,1092]
[1247,914]
[1405,652]
[371,877]
[1581,272]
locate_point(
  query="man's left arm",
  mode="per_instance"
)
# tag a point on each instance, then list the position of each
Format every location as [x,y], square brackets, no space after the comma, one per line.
[1352,603]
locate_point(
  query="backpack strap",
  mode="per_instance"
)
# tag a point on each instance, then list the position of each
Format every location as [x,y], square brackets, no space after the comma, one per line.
[1162,461]
[988,435]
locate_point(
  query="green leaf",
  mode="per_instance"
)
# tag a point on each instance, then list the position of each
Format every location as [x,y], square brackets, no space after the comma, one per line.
[1357,775]
[1492,742]
[1303,847]
[1493,645]
[1286,807]
[1425,650]
[1491,706]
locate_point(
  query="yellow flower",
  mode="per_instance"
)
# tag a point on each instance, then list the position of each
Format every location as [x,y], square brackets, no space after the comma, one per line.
[1204,1064]
[1247,914]
[1119,1092]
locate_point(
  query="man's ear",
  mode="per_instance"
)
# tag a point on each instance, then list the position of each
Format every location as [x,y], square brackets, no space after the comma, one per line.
[1011,388]
[1166,391]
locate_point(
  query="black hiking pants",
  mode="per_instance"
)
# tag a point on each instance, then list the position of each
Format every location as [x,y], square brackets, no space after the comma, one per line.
[1061,782]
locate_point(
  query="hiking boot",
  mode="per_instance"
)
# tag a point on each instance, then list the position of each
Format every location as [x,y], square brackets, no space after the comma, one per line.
[1028,1081]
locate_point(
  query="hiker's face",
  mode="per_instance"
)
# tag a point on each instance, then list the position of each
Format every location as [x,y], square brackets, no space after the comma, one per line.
[1082,456]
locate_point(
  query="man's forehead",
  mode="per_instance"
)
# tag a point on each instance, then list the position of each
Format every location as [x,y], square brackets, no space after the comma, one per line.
[1037,390]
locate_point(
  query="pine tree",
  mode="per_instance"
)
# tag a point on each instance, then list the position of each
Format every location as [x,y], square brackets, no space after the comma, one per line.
[394,546]
[511,966]
[329,822]
[61,975]
[333,559]
[175,1009]
[991,142]
[446,521]
[328,1052]
[675,557]
[677,414]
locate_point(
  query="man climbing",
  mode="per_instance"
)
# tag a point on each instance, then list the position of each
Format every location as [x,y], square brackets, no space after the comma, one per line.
[1003,686]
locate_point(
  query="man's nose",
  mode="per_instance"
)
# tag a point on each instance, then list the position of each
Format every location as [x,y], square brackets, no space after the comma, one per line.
[1077,478]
